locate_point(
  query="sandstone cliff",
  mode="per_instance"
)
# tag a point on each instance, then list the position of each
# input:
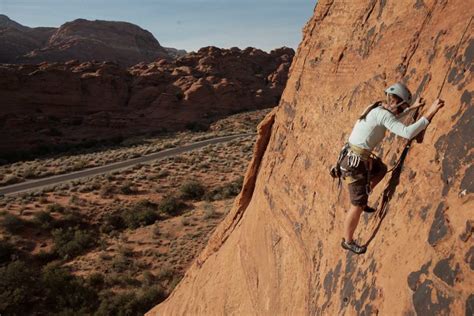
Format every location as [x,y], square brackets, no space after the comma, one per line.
[52,104]
[278,251]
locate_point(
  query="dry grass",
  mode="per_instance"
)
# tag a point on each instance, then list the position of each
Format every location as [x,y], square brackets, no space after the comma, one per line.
[130,148]
[132,238]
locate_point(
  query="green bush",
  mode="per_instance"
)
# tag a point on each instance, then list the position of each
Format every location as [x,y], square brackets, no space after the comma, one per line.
[163,174]
[66,293]
[107,190]
[16,283]
[192,190]
[44,219]
[13,224]
[142,213]
[130,303]
[171,205]
[55,207]
[70,220]
[12,179]
[70,242]
[127,188]
[96,280]
[225,191]
[6,251]
[113,222]
[210,211]
[121,263]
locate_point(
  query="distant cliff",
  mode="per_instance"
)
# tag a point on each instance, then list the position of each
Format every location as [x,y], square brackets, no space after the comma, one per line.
[54,105]
[278,251]
[120,42]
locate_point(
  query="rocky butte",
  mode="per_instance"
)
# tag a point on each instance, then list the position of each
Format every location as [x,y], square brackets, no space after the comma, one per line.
[278,251]
[55,105]
[84,40]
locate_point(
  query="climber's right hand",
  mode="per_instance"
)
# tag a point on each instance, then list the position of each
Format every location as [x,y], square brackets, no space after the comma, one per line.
[437,104]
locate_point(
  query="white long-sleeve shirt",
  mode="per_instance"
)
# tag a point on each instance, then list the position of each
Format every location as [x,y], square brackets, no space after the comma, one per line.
[369,132]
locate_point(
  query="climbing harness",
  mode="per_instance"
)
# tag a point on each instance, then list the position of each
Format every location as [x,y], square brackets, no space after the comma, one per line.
[335,171]
[355,155]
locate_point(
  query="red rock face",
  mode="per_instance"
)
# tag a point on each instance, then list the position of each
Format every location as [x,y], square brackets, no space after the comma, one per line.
[278,252]
[73,102]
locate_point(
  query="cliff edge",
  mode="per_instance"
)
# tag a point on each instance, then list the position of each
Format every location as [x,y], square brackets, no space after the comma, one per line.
[278,251]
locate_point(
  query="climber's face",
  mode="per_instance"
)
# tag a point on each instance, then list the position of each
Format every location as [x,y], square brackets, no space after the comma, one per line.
[394,104]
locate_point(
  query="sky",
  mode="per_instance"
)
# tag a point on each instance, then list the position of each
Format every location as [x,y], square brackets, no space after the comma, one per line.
[182,24]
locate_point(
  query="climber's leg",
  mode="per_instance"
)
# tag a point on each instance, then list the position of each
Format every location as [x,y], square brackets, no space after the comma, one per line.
[352,219]
[378,171]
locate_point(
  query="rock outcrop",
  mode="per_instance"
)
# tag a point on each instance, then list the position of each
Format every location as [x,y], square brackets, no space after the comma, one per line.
[52,104]
[278,251]
[120,42]
[17,40]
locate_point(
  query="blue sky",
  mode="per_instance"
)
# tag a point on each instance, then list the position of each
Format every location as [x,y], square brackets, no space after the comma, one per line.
[184,24]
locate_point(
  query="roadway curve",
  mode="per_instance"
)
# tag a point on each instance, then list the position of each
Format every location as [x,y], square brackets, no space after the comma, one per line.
[57,179]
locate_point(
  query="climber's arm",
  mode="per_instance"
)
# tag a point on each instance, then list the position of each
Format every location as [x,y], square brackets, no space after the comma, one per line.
[402,130]
[410,131]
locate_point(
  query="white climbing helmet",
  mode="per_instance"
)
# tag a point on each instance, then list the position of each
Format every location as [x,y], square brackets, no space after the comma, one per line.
[401,91]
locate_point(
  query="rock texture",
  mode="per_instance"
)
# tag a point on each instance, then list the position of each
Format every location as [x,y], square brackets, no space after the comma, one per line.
[83,40]
[278,251]
[73,102]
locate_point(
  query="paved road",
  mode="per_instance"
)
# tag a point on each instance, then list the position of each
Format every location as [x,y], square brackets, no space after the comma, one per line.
[57,179]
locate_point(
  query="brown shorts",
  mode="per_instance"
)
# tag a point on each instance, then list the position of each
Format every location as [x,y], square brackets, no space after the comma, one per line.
[358,190]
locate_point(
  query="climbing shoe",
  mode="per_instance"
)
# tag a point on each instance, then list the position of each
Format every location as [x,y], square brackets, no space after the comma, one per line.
[369,209]
[352,246]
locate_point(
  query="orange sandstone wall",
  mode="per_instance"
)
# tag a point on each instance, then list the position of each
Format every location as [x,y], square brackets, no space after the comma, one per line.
[278,251]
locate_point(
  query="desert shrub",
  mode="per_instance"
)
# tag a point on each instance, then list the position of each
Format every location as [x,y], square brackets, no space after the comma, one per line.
[225,191]
[6,251]
[163,174]
[148,278]
[210,211]
[44,219]
[70,242]
[121,263]
[12,179]
[127,188]
[142,213]
[171,205]
[113,222]
[79,164]
[66,293]
[130,303]
[156,231]
[13,224]
[55,207]
[28,173]
[44,257]
[107,190]
[185,221]
[96,280]
[16,282]
[192,190]
[90,186]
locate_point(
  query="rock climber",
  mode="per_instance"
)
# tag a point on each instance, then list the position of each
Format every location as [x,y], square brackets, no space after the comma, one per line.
[360,168]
